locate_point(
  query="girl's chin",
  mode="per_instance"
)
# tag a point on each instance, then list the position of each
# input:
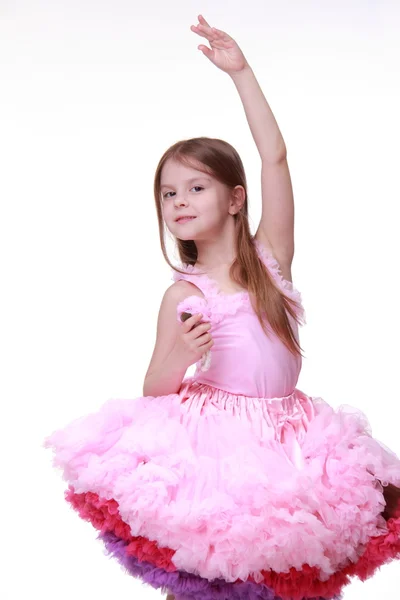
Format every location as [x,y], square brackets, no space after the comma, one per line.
[185,239]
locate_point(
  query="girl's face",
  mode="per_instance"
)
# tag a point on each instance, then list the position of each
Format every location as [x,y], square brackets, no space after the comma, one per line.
[187,191]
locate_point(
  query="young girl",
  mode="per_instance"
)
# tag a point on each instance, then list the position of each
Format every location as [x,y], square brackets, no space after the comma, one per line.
[232,483]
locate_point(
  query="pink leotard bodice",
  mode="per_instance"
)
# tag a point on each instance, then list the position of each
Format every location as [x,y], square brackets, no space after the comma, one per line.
[243,359]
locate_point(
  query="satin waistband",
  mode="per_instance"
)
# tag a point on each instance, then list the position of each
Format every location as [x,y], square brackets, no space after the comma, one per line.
[191,385]
[284,419]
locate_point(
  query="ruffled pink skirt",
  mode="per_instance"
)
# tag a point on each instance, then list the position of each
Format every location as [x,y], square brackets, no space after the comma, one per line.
[206,487]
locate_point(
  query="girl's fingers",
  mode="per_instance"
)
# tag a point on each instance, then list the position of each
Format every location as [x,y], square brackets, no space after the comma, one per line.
[214,30]
[204,32]
[203,23]
[202,19]
[202,29]
[197,30]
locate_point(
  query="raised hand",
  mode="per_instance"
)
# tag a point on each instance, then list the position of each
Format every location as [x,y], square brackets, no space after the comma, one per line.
[224,53]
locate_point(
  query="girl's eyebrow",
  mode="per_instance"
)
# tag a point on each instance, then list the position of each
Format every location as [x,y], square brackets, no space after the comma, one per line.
[187,181]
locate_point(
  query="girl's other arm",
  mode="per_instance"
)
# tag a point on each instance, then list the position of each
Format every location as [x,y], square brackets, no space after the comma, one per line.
[276,228]
[167,367]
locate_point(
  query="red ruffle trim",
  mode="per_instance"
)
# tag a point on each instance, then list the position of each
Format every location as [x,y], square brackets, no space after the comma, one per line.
[294,585]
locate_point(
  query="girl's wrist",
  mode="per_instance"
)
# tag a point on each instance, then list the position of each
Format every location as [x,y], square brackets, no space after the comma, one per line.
[247,70]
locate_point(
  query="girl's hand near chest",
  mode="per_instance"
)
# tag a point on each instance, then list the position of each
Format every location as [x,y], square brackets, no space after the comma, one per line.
[224,53]
[193,340]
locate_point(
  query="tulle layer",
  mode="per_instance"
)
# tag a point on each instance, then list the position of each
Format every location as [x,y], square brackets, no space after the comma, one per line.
[294,585]
[186,586]
[235,485]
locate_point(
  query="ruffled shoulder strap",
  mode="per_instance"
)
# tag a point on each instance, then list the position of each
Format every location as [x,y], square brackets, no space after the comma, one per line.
[274,269]
[195,303]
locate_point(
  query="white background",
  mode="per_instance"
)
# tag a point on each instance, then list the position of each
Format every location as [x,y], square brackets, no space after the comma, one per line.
[92,93]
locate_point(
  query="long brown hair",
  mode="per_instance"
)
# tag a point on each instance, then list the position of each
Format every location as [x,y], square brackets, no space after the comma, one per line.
[222,161]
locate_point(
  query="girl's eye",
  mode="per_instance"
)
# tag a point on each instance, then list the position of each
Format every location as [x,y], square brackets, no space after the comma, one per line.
[195,186]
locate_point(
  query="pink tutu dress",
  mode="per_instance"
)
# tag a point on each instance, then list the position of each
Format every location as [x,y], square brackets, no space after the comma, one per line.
[239,485]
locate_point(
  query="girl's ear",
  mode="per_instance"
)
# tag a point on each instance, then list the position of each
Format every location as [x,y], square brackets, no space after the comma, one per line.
[237,199]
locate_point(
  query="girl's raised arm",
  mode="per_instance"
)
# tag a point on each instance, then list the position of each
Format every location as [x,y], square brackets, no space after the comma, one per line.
[276,228]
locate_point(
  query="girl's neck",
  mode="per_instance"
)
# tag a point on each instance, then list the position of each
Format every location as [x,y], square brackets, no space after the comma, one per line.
[217,267]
